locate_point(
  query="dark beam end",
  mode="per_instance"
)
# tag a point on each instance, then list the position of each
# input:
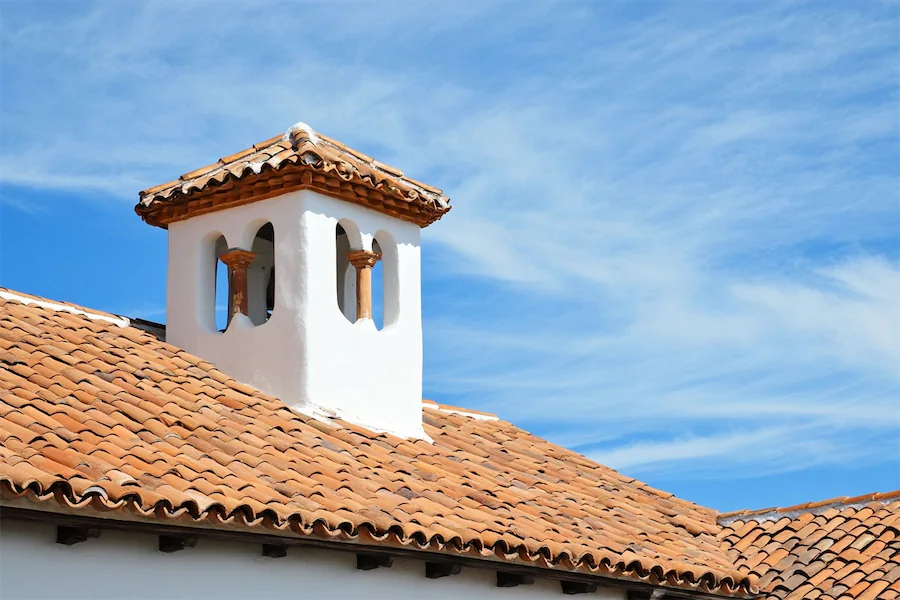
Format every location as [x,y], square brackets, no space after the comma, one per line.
[436,570]
[274,550]
[507,580]
[70,536]
[577,587]
[174,543]
[367,562]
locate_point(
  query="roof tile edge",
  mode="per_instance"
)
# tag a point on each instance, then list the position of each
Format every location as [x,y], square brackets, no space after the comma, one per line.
[340,171]
[7,294]
[718,580]
[727,584]
[816,508]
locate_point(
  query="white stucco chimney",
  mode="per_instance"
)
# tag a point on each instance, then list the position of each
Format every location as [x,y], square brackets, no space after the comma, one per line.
[311,343]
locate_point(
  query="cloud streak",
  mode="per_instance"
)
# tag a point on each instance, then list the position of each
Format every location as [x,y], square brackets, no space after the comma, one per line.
[674,233]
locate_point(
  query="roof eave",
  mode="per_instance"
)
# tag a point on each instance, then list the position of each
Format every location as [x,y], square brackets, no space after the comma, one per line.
[85,515]
[178,203]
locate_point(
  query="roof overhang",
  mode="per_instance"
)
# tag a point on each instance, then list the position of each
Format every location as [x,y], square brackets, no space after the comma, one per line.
[298,160]
[89,518]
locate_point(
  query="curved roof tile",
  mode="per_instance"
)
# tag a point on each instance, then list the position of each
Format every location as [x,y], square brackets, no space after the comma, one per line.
[843,548]
[299,159]
[97,413]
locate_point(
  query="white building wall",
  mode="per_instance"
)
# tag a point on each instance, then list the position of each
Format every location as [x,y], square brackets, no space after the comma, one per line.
[308,354]
[126,565]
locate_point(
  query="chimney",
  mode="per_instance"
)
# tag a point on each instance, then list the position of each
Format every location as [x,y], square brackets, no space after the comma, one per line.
[300,221]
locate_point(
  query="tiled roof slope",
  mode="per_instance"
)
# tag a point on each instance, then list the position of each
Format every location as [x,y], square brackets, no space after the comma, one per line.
[97,414]
[298,159]
[846,548]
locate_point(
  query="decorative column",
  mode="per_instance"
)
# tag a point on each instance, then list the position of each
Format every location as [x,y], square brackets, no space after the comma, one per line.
[237,261]
[363,260]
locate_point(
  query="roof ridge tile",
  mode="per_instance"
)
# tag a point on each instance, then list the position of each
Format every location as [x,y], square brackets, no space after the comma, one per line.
[832,548]
[815,508]
[284,166]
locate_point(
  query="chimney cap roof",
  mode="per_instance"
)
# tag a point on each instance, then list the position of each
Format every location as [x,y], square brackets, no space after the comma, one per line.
[300,158]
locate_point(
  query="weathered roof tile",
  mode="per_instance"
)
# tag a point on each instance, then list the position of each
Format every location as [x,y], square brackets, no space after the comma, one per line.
[340,171]
[833,549]
[157,444]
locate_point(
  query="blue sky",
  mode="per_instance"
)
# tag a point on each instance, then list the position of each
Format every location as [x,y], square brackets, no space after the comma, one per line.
[675,241]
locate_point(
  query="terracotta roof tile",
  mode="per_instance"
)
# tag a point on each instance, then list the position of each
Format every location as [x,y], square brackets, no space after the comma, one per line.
[186,441]
[299,159]
[840,548]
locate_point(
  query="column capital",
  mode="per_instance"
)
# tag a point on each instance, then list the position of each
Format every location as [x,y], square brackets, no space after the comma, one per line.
[235,258]
[362,259]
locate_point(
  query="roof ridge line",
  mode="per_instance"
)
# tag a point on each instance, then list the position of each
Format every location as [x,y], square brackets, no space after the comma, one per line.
[8,294]
[458,410]
[816,508]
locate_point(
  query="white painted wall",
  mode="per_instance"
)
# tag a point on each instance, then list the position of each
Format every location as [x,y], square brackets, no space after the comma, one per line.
[308,354]
[125,565]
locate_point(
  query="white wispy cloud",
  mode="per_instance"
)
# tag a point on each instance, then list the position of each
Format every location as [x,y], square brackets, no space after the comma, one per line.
[674,233]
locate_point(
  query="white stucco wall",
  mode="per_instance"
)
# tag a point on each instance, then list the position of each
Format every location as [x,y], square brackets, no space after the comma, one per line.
[126,565]
[308,354]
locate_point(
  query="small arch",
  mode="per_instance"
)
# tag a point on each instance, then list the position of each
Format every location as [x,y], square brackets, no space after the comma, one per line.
[219,305]
[261,275]
[207,280]
[221,308]
[351,230]
[390,279]
[377,289]
[345,272]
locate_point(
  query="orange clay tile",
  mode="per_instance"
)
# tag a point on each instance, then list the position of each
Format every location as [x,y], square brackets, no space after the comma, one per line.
[188,442]
[847,548]
[289,162]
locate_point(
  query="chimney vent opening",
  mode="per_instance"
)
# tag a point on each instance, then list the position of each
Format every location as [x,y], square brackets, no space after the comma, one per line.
[377,289]
[222,301]
[261,276]
[346,274]
[245,279]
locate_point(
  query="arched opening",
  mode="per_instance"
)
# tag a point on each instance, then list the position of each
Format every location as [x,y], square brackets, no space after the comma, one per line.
[378,289]
[386,302]
[346,275]
[245,279]
[261,276]
[222,304]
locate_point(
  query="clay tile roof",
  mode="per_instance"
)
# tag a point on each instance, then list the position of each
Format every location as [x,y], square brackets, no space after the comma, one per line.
[846,548]
[98,413]
[298,159]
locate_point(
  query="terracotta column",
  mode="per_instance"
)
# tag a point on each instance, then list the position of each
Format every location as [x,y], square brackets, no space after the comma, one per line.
[237,262]
[363,260]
